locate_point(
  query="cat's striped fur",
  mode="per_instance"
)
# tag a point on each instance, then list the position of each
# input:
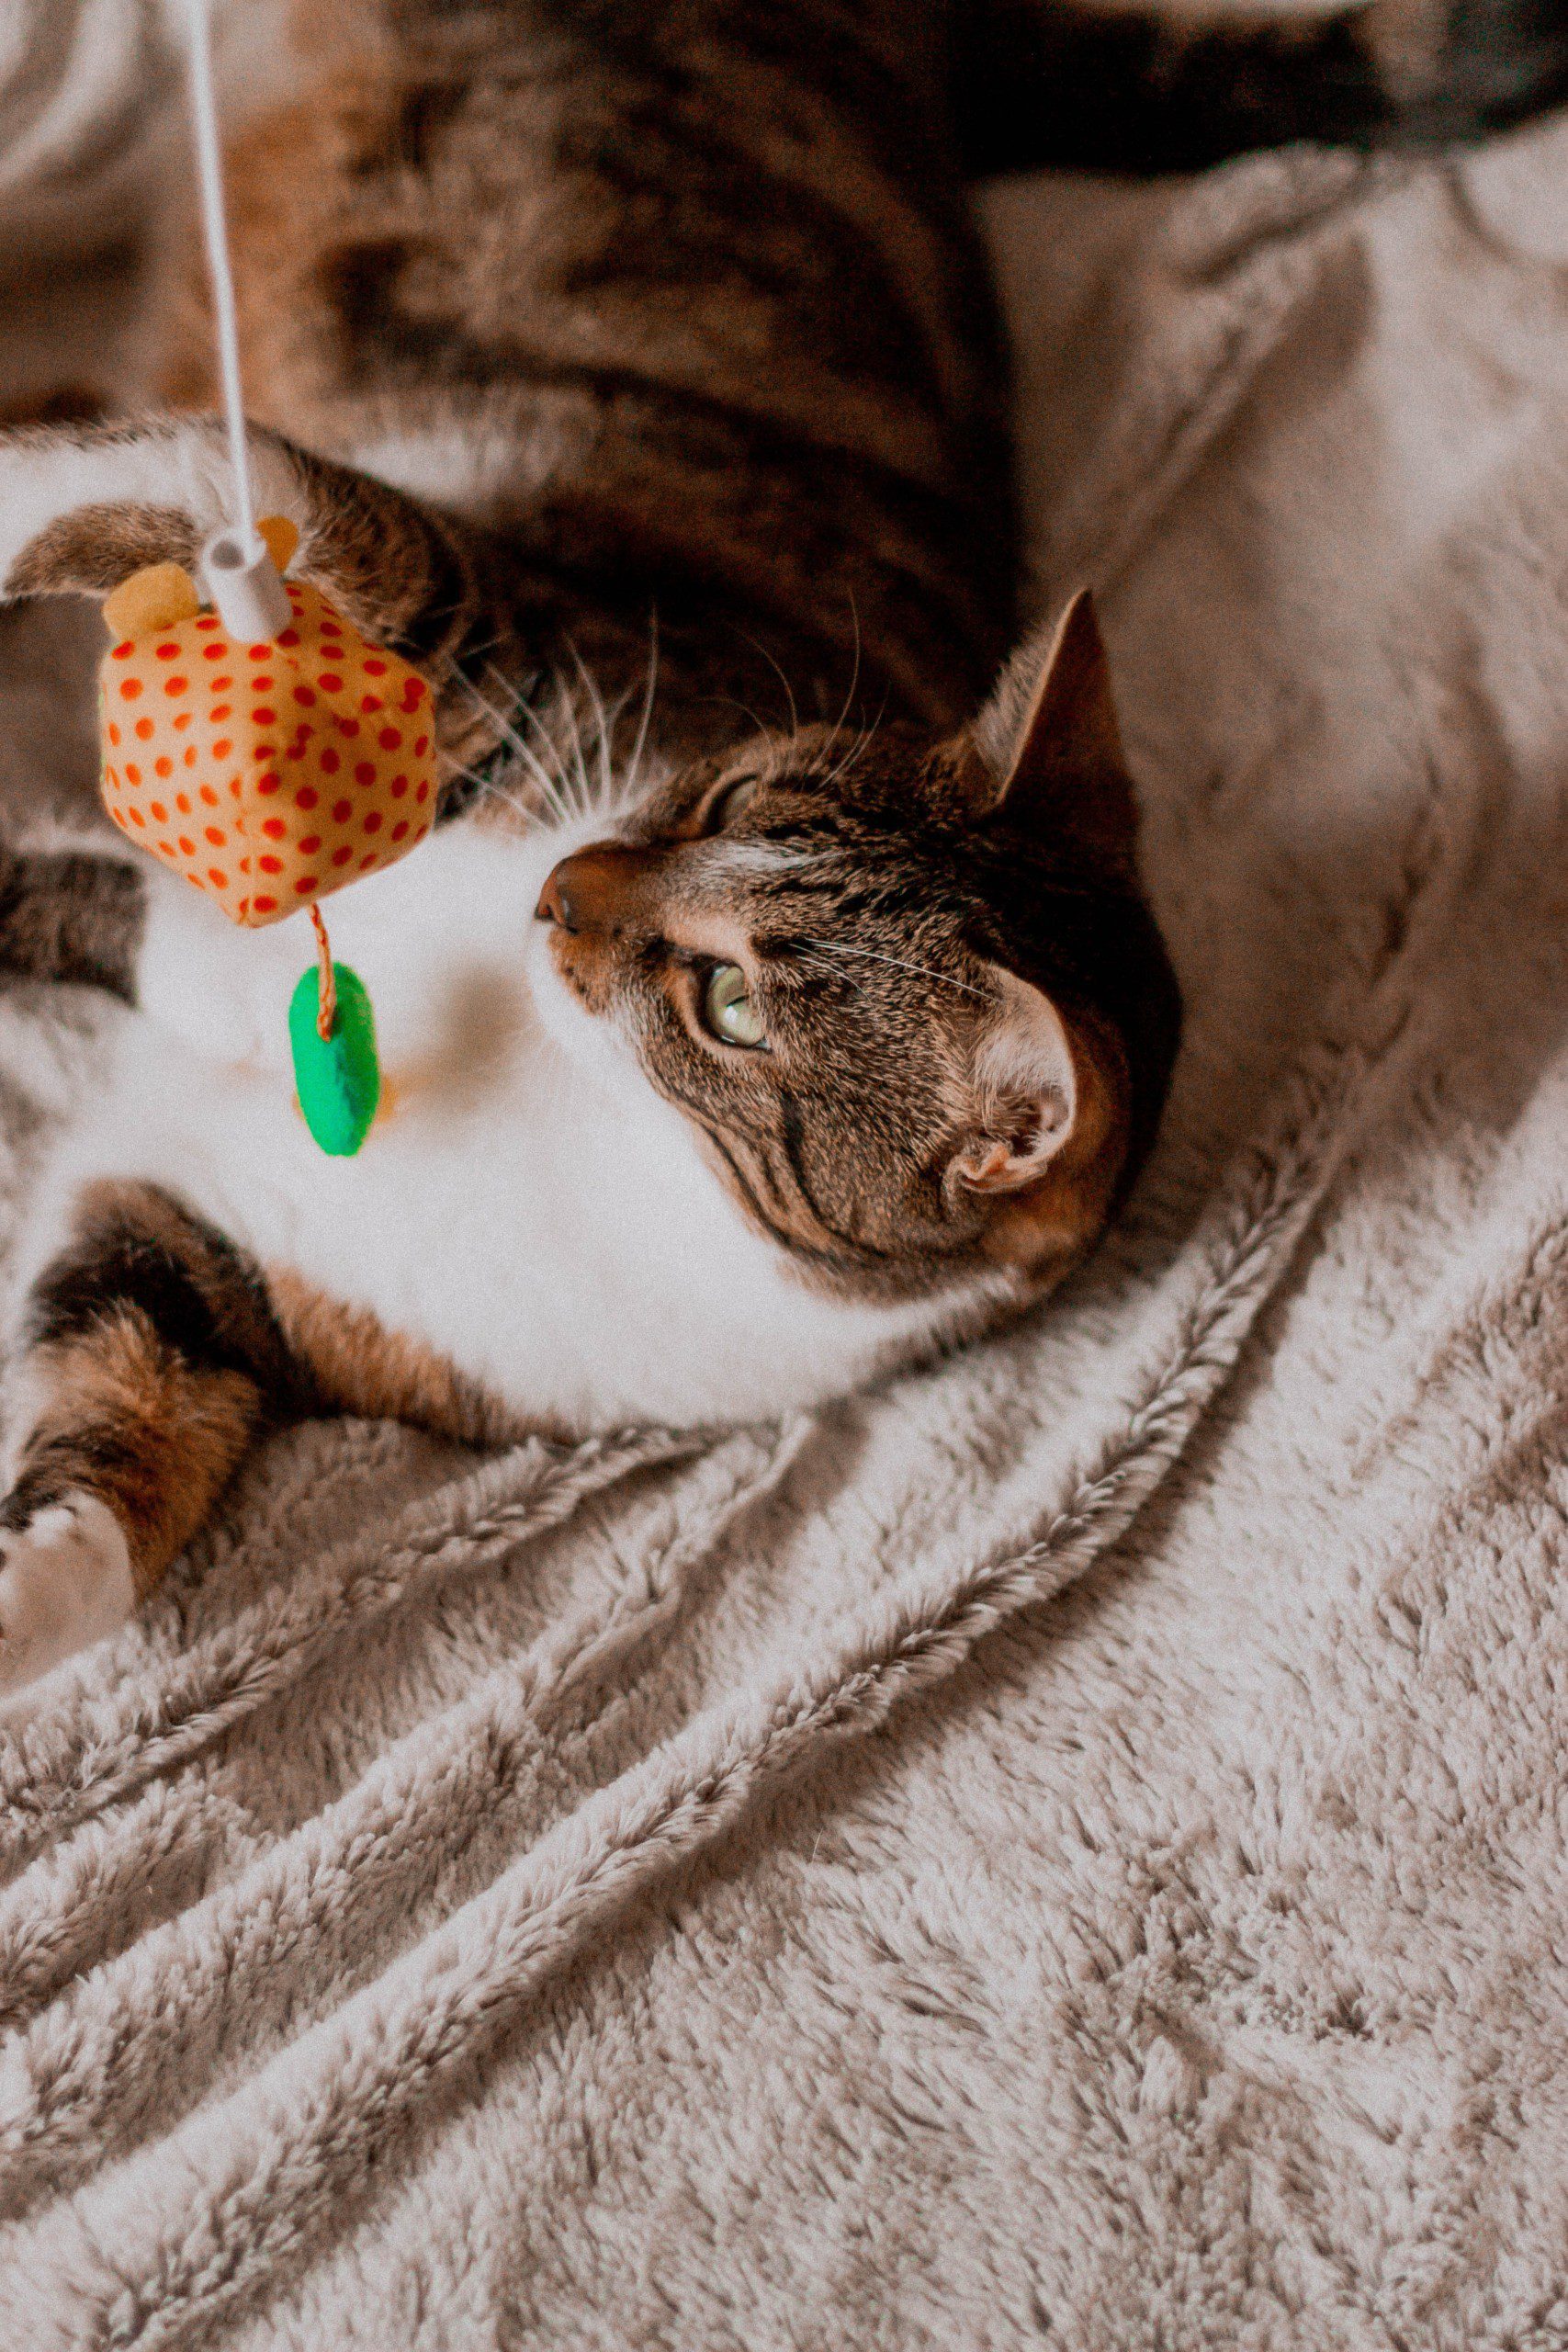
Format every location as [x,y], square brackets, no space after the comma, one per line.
[1131,90]
[598,331]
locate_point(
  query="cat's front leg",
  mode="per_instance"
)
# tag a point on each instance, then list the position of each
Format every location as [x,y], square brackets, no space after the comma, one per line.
[71,909]
[82,507]
[147,1360]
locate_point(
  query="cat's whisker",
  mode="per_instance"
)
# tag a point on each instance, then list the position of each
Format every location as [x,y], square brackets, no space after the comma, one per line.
[569,806]
[605,794]
[487,784]
[634,771]
[511,798]
[606,761]
[604,723]
[557,800]
[556,804]
[580,796]
[498,720]
[490,789]
[522,707]
[456,673]
[899,963]
[574,773]
[452,665]
[554,801]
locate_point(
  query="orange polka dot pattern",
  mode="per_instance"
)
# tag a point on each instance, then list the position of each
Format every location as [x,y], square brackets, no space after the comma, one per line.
[267,775]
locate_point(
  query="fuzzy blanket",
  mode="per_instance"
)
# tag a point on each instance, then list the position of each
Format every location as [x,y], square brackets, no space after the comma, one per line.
[1072,1851]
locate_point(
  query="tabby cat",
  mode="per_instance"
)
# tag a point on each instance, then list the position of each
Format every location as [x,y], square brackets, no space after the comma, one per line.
[771,1019]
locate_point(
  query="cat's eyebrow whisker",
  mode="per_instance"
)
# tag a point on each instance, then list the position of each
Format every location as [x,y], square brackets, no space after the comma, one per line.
[855,751]
[776,668]
[854,673]
[899,963]
[769,734]
[859,747]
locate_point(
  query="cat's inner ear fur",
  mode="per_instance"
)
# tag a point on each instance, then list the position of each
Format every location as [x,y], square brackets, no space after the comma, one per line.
[1049,737]
[1024,1090]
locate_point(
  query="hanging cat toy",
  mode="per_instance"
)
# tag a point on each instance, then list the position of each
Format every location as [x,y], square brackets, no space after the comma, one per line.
[252,737]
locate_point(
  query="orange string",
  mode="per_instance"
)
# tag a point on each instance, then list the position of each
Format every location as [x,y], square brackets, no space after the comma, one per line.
[326,986]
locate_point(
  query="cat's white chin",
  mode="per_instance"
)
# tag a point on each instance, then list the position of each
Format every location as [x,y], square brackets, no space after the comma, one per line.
[593,1045]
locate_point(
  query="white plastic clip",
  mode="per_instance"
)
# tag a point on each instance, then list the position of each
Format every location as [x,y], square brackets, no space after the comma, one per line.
[252,601]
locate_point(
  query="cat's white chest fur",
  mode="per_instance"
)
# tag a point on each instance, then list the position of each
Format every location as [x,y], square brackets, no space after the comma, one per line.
[530,1208]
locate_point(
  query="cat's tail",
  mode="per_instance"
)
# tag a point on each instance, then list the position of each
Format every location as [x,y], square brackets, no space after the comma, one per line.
[1112,89]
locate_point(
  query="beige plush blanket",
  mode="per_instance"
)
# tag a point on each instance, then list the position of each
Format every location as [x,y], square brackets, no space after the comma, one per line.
[1072,1851]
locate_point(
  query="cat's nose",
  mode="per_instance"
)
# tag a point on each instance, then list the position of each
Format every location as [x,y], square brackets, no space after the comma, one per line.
[554,898]
[588,891]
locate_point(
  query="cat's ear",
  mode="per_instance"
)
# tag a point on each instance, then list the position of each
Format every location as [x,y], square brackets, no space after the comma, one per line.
[1024,1091]
[1049,737]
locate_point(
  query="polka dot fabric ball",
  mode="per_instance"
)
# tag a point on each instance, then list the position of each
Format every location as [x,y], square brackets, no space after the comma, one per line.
[267,775]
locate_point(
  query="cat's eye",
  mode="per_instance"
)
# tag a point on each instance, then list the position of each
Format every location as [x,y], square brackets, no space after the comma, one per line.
[725,806]
[728,1009]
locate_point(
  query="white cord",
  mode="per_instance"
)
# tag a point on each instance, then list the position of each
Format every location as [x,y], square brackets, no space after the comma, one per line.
[215,226]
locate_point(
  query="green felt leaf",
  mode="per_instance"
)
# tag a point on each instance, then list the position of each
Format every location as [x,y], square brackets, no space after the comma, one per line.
[338,1078]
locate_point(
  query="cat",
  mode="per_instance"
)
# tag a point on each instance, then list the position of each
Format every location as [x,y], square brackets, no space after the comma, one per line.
[775,1007]
[819,1056]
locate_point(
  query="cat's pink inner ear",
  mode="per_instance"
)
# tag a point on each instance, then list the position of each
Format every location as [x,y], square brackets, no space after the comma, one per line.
[1025,1091]
[1066,775]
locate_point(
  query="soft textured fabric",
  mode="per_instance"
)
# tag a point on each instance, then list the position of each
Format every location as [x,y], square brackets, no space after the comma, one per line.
[79,81]
[1070,1851]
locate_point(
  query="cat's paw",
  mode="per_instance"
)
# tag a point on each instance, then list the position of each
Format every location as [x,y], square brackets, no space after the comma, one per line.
[82,507]
[65,1581]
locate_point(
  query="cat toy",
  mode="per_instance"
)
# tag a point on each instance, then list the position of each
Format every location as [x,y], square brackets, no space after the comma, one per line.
[253,738]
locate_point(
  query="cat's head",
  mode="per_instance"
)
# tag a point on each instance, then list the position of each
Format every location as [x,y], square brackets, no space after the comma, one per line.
[906,986]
